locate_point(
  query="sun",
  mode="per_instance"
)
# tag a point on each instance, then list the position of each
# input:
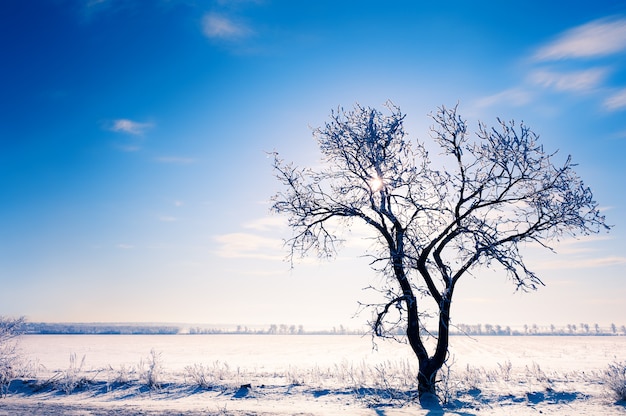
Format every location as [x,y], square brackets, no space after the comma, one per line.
[376,184]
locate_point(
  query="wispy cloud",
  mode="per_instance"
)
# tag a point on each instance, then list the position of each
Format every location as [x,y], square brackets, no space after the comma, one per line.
[514,96]
[617,101]
[133,131]
[580,253]
[247,245]
[266,223]
[595,39]
[575,245]
[576,81]
[217,26]
[125,246]
[127,126]
[578,70]
[594,263]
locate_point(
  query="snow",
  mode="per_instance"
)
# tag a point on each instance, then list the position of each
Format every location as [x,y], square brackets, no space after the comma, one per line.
[308,375]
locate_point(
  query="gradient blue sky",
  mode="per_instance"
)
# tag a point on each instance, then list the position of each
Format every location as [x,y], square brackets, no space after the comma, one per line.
[133,137]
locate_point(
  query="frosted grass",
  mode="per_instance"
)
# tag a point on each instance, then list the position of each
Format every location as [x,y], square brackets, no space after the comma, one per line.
[275,374]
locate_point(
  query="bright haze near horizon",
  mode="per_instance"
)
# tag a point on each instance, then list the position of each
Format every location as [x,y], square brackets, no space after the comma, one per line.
[134,139]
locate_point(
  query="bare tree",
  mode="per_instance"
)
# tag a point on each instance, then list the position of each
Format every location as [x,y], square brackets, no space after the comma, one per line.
[10,329]
[431,225]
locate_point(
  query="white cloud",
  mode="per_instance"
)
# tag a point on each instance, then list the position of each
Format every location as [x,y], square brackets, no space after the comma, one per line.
[125,246]
[616,101]
[129,127]
[513,96]
[576,81]
[246,245]
[124,125]
[266,223]
[581,245]
[595,39]
[594,263]
[216,26]
[574,245]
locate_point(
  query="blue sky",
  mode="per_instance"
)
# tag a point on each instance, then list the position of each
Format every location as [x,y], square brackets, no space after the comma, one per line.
[133,139]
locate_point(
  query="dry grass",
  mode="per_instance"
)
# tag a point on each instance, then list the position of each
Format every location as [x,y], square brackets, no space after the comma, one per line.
[615,381]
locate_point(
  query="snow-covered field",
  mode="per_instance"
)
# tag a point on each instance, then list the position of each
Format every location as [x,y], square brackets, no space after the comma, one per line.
[307,374]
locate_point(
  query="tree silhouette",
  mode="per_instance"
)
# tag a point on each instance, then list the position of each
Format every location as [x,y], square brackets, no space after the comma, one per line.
[431,225]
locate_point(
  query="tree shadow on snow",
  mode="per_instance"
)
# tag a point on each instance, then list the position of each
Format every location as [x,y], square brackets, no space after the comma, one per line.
[243,391]
[26,387]
[381,399]
[320,393]
[434,407]
[474,399]
[553,397]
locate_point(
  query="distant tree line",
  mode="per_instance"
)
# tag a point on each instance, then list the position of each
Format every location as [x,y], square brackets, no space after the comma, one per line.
[277,329]
[534,329]
[45,328]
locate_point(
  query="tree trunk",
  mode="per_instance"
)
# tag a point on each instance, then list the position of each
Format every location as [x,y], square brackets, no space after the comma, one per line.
[429,366]
[427,377]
